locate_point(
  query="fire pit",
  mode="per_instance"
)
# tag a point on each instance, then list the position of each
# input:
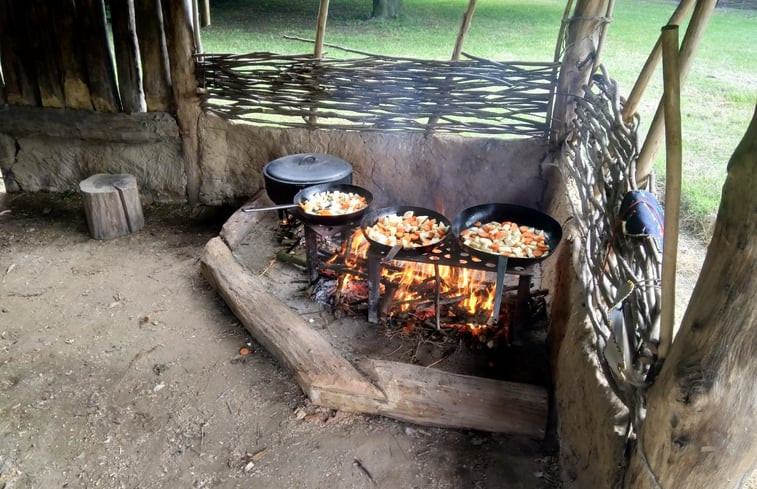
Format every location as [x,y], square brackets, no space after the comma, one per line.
[364,378]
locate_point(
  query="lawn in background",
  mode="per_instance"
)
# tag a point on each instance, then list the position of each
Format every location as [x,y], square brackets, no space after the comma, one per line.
[718,97]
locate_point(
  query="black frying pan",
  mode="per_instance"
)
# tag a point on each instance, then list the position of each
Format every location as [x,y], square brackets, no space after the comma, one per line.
[523,216]
[303,195]
[372,217]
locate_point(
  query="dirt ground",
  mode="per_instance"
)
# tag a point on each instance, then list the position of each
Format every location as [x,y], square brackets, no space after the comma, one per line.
[120,368]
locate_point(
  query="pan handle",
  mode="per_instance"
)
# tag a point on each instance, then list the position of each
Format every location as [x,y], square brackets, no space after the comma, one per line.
[269,208]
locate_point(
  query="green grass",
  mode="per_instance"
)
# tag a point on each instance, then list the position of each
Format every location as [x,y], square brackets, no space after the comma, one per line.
[717,99]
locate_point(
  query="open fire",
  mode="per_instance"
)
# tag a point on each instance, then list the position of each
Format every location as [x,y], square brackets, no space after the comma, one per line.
[441,289]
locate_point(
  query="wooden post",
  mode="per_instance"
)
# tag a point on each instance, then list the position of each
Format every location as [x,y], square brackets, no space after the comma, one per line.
[582,42]
[98,61]
[699,426]
[178,27]
[456,51]
[629,108]
[39,22]
[126,49]
[156,79]
[17,69]
[320,32]
[204,13]
[689,45]
[73,72]
[672,105]
[111,205]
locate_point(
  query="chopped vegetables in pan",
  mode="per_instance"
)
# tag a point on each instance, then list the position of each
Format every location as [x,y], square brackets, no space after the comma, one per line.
[334,203]
[506,238]
[408,230]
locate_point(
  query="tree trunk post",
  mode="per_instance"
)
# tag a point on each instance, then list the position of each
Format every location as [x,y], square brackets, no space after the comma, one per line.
[177,21]
[582,44]
[699,426]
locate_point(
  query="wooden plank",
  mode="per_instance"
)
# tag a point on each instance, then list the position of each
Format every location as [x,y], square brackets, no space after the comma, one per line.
[406,392]
[143,127]
[156,80]
[179,40]
[71,54]
[99,64]
[126,50]
[16,58]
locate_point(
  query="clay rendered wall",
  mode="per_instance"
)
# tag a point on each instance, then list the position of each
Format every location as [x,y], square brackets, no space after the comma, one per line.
[591,421]
[54,149]
[442,172]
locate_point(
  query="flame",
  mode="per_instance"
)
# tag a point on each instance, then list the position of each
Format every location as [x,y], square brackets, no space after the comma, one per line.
[413,283]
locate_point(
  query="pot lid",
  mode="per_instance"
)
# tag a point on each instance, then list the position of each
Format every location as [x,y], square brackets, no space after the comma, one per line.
[307,167]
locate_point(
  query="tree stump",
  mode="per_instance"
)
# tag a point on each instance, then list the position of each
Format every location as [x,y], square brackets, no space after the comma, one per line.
[111,204]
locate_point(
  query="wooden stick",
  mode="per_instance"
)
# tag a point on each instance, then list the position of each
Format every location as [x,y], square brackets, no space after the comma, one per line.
[689,45]
[464,26]
[649,66]
[320,32]
[602,33]
[672,105]
[467,16]
[204,13]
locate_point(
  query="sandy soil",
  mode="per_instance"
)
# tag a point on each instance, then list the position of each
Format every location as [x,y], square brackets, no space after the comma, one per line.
[120,368]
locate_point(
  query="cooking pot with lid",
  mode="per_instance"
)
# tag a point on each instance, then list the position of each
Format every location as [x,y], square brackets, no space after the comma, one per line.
[286,176]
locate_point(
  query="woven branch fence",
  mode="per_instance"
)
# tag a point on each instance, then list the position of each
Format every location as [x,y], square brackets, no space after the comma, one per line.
[621,274]
[379,93]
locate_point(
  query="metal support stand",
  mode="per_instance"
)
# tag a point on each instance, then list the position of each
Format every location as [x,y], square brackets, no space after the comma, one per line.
[501,268]
[311,253]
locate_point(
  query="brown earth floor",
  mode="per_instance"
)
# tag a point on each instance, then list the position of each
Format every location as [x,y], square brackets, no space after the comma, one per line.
[119,368]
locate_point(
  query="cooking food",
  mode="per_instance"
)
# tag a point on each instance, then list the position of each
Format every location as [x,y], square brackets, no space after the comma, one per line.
[409,230]
[334,203]
[506,238]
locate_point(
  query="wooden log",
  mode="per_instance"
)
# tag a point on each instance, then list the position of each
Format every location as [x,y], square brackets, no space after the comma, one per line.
[73,72]
[112,205]
[100,75]
[126,50]
[179,39]
[16,58]
[238,226]
[156,79]
[137,128]
[699,427]
[316,366]
[410,393]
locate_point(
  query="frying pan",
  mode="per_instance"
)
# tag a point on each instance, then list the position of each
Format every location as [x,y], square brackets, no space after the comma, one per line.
[307,192]
[523,216]
[372,217]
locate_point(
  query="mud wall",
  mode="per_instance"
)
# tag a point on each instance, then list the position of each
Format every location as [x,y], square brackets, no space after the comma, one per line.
[442,172]
[591,421]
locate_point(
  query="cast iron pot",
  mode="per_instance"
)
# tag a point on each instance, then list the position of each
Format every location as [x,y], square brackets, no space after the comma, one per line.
[295,207]
[286,176]
[523,216]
